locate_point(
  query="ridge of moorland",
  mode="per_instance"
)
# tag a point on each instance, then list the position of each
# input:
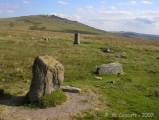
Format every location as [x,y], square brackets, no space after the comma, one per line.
[48,23]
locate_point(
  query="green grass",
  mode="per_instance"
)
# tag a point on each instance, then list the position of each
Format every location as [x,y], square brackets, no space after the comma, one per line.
[53,99]
[136,92]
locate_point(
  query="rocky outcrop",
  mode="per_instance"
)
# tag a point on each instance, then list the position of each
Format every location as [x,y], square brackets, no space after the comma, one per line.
[48,75]
[111,68]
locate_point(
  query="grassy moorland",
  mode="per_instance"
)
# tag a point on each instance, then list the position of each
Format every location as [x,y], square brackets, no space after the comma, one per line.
[134,95]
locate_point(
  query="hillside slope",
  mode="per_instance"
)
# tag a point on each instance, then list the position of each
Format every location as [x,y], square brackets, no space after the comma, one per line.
[47,23]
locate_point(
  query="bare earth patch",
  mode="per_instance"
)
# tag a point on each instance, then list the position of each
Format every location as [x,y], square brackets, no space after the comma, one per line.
[74,105]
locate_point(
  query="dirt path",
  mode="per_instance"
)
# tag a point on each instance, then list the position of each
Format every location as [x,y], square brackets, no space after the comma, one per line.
[75,104]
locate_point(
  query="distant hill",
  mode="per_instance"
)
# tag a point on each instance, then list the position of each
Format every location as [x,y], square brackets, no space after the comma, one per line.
[56,24]
[138,35]
[48,23]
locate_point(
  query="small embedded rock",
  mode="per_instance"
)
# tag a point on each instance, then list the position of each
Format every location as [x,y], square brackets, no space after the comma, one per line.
[26,81]
[98,78]
[71,89]
[97,85]
[111,82]
[107,50]
[32,38]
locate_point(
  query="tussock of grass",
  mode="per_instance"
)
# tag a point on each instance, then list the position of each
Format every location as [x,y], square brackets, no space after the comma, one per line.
[53,99]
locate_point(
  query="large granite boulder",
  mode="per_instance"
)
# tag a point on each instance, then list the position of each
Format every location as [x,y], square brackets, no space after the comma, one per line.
[111,68]
[48,75]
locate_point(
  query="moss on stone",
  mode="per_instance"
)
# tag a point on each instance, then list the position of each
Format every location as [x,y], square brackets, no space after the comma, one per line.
[48,61]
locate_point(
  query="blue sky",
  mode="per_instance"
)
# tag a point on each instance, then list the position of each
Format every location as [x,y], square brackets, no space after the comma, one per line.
[140,16]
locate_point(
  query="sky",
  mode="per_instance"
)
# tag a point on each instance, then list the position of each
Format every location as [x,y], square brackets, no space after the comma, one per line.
[140,16]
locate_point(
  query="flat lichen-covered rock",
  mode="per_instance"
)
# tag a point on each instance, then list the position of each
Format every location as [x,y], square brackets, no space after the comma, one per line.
[111,68]
[48,75]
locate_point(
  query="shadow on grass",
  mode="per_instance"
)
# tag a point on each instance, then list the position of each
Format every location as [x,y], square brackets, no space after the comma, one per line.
[11,100]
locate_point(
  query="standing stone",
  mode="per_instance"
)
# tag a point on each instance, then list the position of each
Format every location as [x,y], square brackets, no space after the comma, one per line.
[77,38]
[111,68]
[48,75]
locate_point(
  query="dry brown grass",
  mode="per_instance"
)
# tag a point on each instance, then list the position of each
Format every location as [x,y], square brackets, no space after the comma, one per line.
[126,42]
[108,40]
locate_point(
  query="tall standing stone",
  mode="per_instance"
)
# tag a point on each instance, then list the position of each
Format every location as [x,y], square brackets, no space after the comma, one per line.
[77,38]
[48,75]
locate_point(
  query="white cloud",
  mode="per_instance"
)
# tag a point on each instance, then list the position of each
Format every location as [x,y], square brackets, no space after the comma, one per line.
[112,7]
[80,10]
[9,11]
[1,11]
[145,2]
[87,9]
[129,3]
[4,4]
[142,21]
[111,19]
[8,5]
[90,7]
[102,8]
[69,16]
[132,3]
[26,2]
[63,3]
[112,13]
[103,2]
